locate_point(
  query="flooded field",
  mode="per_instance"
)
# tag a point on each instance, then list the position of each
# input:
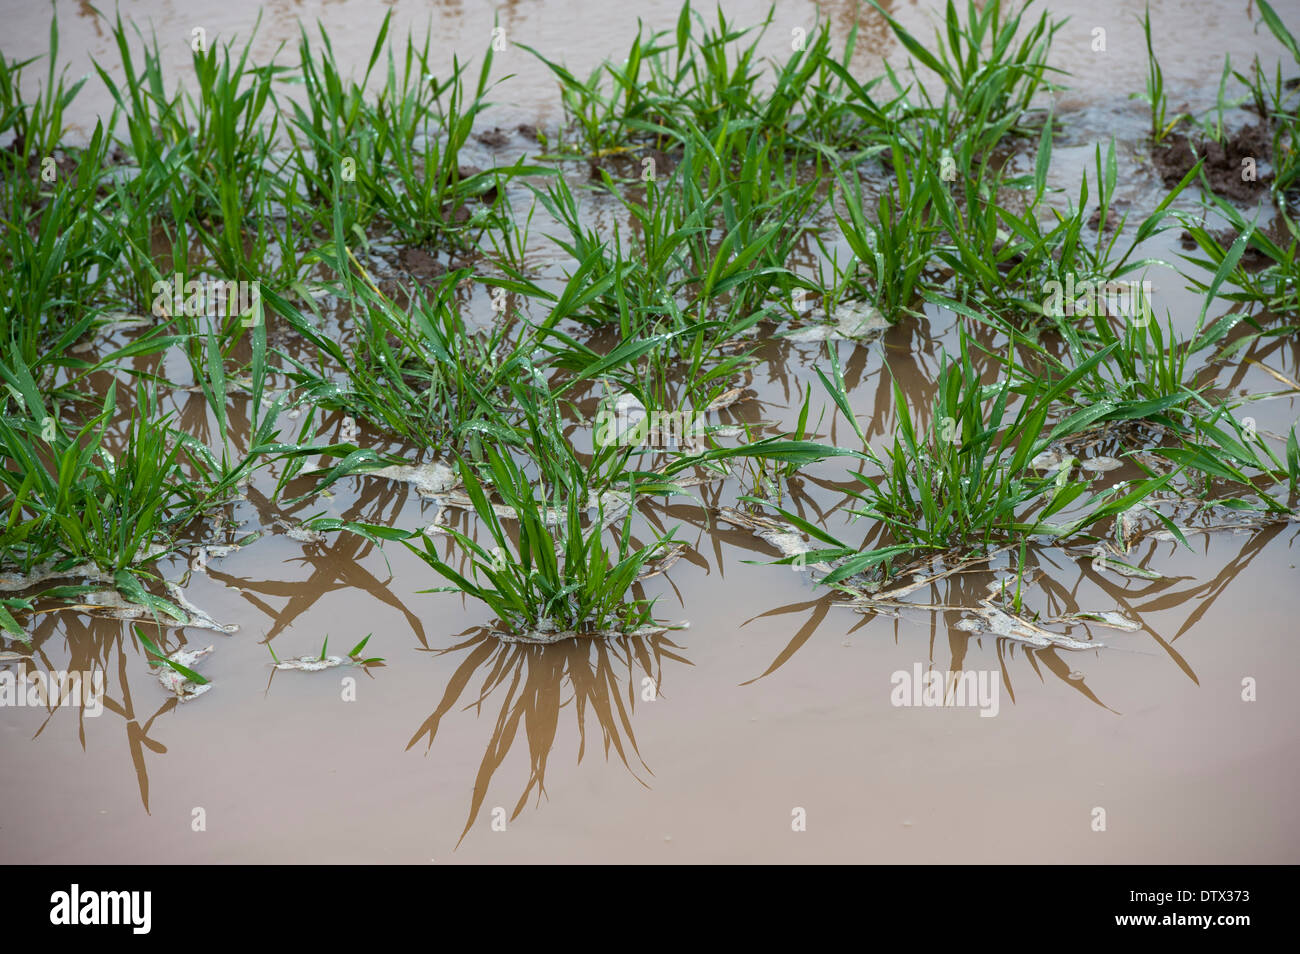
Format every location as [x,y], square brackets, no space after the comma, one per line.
[1108,600]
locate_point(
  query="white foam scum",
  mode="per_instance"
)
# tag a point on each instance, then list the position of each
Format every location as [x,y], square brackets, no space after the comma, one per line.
[13,582]
[988,618]
[852,321]
[296,531]
[314,663]
[109,601]
[542,636]
[198,618]
[778,533]
[174,682]
[429,480]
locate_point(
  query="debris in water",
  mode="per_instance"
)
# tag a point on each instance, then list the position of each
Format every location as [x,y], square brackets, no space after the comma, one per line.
[628,411]
[853,321]
[1277,375]
[1052,459]
[1126,526]
[725,399]
[1047,460]
[12,583]
[990,619]
[117,606]
[544,636]
[726,430]
[1008,584]
[1108,562]
[173,681]
[219,550]
[198,618]
[313,663]
[613,505]
[920,580]
[1108,618]
[663,563]
[429,480]
[301,533]
[459,500]
[1101,464]
[1237,526]
[110,326]
[781,535]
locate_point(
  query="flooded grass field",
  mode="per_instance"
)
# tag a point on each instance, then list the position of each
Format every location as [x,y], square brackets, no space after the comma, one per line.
[556,432]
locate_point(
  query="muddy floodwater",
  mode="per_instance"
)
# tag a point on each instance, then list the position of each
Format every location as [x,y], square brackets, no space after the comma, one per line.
[782,723]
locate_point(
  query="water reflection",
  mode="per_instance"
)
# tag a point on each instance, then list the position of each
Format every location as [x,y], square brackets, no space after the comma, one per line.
[100,644]
[1060,579]
[527,686]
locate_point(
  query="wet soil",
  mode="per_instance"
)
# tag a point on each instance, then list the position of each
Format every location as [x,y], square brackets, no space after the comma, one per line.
[1231,166]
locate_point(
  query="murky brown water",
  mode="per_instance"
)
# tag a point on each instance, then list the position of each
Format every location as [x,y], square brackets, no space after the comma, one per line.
[705,743]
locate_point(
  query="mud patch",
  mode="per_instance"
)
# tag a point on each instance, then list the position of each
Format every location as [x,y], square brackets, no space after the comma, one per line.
[420,265]
[1225,163]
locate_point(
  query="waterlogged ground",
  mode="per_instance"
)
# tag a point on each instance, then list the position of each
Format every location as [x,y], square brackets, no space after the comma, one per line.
[778,708]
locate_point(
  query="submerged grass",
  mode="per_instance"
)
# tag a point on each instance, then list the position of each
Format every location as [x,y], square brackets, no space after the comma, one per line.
[970,478]
[72,501]
[558,576]
[732,174]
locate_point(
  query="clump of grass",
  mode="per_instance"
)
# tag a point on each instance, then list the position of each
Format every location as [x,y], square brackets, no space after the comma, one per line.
[965,481]
[413,174]
[707,77]
[1274,284]
[713,237]
[38,126]
[334,122]
[1007,262]
[413,371]
[891,253]
[235,121]
[72,501]
[1279,101]
[990,70]
[156,127]
[558,574]
[1143,374]
[56,255]
[604,119]
[552,579]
